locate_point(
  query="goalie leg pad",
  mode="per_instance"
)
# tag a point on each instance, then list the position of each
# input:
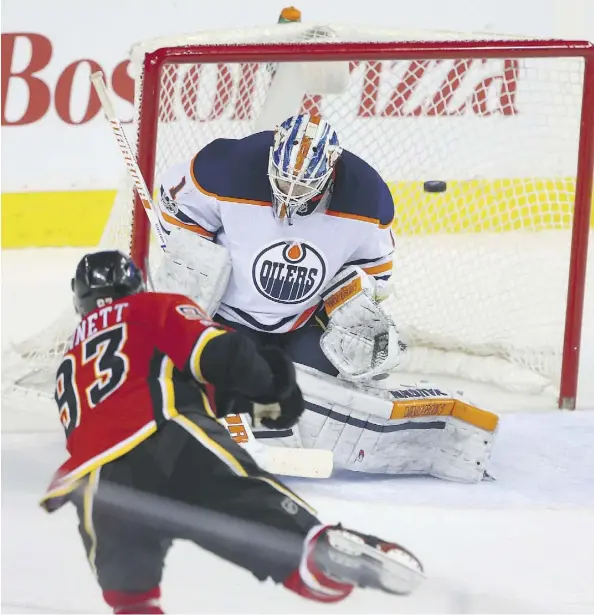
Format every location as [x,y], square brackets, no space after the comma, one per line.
[405,430]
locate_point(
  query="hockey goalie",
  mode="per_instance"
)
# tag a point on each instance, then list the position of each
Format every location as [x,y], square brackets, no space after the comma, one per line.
[287,237]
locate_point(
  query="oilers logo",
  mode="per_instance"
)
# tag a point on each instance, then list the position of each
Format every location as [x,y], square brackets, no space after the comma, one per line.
[289,272]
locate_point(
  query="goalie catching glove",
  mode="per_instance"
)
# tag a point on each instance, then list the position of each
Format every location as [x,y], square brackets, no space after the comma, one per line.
[266,390]
[361,339]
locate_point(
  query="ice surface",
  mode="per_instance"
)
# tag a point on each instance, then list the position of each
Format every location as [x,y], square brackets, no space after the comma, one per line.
[522,544]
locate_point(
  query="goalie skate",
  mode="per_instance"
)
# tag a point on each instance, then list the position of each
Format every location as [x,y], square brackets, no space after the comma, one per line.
[367,561]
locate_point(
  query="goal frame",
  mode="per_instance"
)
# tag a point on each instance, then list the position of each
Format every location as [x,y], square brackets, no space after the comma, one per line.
[148,115]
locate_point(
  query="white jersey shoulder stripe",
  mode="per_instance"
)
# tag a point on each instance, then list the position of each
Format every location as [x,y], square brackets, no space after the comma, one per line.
[194,228]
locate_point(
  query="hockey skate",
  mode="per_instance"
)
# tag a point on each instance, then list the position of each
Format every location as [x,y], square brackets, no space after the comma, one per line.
[366,561]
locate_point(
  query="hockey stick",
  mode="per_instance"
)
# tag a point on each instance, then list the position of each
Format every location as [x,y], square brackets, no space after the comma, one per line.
[129,157]
[291,462]
[302,462]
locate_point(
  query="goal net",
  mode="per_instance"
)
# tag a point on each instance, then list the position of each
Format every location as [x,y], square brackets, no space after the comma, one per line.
[489,273]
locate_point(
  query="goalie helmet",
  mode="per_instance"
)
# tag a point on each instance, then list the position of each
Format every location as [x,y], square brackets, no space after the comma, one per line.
[102,277]
[301,164]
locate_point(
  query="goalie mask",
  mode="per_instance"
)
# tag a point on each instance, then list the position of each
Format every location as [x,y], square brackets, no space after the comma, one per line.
[301,165]
[103,277]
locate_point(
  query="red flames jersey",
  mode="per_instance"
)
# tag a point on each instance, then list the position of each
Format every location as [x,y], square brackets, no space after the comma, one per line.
[131,366]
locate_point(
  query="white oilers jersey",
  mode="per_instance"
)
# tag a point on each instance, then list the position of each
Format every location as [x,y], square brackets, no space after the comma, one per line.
[279,271]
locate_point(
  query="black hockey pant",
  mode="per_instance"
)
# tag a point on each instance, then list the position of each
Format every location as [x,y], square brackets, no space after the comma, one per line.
[193,460]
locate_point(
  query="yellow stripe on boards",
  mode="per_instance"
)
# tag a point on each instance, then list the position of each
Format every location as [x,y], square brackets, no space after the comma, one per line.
[46,219]
[52,219]
[491,205]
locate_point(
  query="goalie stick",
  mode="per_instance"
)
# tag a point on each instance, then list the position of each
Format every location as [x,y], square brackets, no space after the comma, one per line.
[308,463]
[129,157]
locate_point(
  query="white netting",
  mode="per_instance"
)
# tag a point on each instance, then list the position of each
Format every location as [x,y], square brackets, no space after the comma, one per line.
[481,269]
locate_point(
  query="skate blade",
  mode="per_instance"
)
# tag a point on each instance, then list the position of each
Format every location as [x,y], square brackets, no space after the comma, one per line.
[398,571]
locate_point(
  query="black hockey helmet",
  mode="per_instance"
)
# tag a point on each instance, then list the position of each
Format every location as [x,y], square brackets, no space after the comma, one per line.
[102,277]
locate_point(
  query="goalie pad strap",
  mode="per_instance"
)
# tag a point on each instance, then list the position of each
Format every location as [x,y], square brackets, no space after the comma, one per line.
[398,403]
[342,291]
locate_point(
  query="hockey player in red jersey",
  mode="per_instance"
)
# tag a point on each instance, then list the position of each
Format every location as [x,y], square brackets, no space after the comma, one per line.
[139,394]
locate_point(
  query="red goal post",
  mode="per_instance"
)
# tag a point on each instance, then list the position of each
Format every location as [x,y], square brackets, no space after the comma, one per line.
[148,127]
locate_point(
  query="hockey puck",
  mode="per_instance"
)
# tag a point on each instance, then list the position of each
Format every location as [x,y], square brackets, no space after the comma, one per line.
[435,186]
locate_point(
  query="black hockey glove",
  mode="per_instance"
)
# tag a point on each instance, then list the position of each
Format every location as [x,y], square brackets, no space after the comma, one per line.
[282,408]
[282,404]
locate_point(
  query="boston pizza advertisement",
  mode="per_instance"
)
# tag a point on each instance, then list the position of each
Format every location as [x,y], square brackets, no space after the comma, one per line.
[55,139]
